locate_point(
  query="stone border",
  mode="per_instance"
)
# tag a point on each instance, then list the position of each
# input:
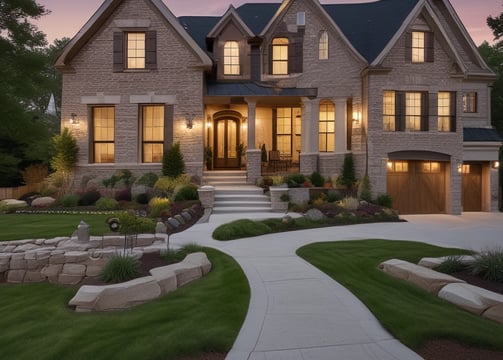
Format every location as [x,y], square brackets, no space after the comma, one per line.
[476,300]
[162,281]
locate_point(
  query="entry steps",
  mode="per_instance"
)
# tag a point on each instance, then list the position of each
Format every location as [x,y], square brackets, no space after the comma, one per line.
[233,195]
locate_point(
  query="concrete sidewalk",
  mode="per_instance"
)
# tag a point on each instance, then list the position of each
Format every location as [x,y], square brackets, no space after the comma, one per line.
[297,312]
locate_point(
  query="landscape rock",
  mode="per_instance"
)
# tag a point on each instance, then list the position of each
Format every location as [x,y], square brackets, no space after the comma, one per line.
[67,279]
[494,313]
[470,297]
[86,297]
[33,277]
[15,276]
[160,228]
[74,269]
[314,215]
[76,256]
[431,263]
[14,203]
[51,272]
[166,278]
[200,259]
[44,201]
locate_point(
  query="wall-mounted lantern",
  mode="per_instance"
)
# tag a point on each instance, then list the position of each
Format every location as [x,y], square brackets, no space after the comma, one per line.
[189,120]
[74,119]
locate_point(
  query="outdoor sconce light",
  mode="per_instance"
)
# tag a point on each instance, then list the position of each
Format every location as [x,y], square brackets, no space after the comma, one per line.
[73,119]
[496,164]
[460,167]
[357,114]
[189,121]
[208,121]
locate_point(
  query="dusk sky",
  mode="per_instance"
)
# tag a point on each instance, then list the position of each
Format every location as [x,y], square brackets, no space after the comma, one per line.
[68,16]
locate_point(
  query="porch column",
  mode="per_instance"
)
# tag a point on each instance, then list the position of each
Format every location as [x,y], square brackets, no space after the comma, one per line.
[341,127]
[310,138]
[252,109]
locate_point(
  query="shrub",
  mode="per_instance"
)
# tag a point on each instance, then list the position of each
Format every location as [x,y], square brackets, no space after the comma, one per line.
[172,256]
[365,189]
[172,161]
[123,195]
[132,224]
[166,185]
[240,228]
[348,177]
[278,180]
[65,157]
[119,269]
[70,200]
[142,199]
[350,203]
[107,204]
[317,179]
[451,265]
[489,265]
[157,205]
[295,180]
[89,198]
[333,196]
[385,200]
[187,192]
[149,179]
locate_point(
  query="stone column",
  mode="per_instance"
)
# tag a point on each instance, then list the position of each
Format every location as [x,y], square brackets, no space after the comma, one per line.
[252,109]
[310,136]
[253,165]
[341,128]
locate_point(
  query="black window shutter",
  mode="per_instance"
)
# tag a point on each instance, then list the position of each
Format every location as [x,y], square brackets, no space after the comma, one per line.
[399,111]
[408,47]
[118,51]
[453,111]
[274,129]
[295,56]
[150,50]
[169,115]
[424,111]
[429,46]
[271,59]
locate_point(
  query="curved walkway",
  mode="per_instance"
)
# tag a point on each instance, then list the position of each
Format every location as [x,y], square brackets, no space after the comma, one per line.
[297,312]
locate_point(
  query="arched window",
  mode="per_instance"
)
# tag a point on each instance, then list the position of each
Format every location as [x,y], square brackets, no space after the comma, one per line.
[231,58]
[327,126]
[323,46]
[280,56]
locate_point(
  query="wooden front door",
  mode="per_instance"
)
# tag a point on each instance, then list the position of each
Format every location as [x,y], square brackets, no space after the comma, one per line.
[226,139]
[472,187]
[417,187]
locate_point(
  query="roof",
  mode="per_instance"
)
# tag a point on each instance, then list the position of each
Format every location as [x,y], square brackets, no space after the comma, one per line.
[481,135]
[254,89]
[368,26]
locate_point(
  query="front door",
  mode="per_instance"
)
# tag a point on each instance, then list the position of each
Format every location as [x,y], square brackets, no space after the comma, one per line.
[226,139]
[472,187]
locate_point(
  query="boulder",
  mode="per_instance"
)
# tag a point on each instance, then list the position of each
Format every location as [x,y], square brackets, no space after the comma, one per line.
[314,215]
[67,279]
[427,279]
[180,219]
[51,272]
[434,262]
[186,272]
[494,313]
[33,277]
[44,201]
[128,294]
[14,203]
[15,276]
[160,228]
[200,259]
[74,269]
[76,256]
[471,298]
[86,297]
[166,278]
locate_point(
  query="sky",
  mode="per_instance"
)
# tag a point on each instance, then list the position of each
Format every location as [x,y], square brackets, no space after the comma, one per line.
[68,16]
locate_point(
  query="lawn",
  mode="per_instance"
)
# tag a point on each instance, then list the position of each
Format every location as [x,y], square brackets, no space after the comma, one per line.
[47,226]
[200,317]
[409,313]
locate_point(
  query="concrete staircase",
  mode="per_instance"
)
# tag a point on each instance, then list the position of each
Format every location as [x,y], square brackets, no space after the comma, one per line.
[233,195]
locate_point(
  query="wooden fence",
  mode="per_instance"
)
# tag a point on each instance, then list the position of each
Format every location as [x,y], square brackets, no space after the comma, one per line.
[17,192]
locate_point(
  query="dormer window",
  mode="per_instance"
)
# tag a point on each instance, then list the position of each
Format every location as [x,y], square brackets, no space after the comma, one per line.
[231,58]
[323,46]
[419,47]
[280,56]
[135,50]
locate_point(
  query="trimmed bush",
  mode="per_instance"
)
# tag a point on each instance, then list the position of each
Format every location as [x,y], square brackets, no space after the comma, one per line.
[317,179]
[173,164]
[186,193]
[149,179]
[142,199]
[166,185]
[107,204]
[132,224]
[89,198]
[348,177]
[295,180]
[333,196]
[69,201]
[157,205]
[240,228]
[123,195]
[119,269]
[385,200]
[489,265]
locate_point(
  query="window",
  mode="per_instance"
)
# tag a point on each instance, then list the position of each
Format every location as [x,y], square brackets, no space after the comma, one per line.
[419,47]
[103,134]
[405,111]
[231,58]
[301,18]
[327,127]
[280,56]
[323,46]
[284,131]
[152,133]
[398,166]
[431,167]
[470,102]
[135,50]
[446,111]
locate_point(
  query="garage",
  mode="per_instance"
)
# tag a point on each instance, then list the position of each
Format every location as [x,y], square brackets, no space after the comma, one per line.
[417,186]
[472,187]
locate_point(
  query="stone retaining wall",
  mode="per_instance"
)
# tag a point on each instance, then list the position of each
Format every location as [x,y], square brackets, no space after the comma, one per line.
[64,260]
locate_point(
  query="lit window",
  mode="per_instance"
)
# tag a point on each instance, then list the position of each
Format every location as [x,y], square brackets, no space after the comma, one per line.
[280,56]
[470,102]
[418,47]
[323,46]
[104,134]
[398,166]
[327,127]
[446,111]
[135,50]
[231,58]
[284,131]
[413,111]
[389,117]
[152,133]
[431,167]
[465,169]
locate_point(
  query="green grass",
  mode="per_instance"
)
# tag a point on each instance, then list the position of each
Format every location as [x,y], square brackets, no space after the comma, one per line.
[200,317]
[409,313]
[46,226]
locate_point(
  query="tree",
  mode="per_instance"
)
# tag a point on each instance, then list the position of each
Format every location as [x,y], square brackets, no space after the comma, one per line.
[65,158]
[173,164]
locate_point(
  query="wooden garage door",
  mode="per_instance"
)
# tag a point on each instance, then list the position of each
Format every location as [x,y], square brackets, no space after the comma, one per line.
[472,187]
[417,187]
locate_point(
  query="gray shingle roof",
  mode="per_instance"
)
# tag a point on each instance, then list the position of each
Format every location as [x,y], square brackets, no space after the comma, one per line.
[368,26]
[481,135]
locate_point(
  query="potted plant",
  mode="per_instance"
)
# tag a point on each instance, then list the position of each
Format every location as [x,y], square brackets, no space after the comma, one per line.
[240,150]
[208,157]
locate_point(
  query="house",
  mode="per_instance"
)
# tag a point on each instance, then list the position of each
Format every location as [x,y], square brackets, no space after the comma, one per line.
[399,83]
